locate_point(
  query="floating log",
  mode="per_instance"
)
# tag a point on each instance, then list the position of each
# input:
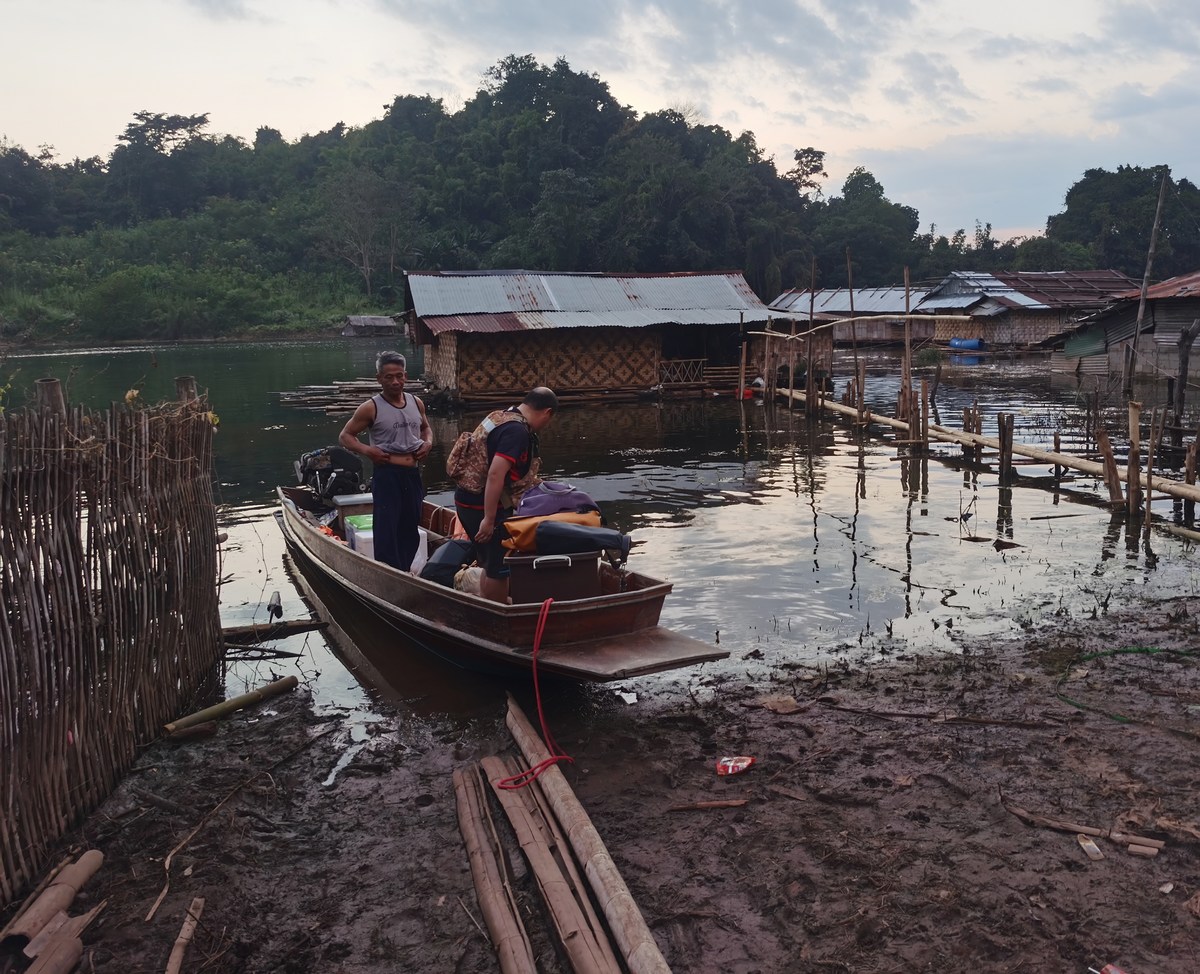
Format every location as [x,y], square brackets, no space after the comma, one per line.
[620,910]
[248,635]
[233,705]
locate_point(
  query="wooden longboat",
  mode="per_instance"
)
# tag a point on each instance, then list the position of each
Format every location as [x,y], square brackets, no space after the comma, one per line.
[610,637]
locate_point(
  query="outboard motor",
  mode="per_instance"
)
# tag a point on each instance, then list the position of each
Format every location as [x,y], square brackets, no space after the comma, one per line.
[330,471]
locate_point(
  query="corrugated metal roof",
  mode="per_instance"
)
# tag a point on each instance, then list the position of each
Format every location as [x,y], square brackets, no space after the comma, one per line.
[1183,286]
[1035,290]
[535,320]
[836,301]
[494,292]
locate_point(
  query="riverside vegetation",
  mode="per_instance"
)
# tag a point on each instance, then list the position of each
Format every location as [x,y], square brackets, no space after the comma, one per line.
[183,234]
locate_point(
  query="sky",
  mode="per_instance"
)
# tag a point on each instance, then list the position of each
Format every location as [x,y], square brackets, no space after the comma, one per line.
[971,111]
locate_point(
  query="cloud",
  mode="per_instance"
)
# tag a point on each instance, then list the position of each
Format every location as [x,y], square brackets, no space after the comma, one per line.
[223,9]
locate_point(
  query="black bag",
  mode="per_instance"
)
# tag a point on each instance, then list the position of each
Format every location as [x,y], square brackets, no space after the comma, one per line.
[330,471]
[445,563]
[564,538]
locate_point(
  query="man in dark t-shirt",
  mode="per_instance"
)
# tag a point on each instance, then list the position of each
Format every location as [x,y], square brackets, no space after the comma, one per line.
[512,449]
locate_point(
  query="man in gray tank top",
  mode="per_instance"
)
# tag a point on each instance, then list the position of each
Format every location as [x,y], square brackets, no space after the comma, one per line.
[399,438]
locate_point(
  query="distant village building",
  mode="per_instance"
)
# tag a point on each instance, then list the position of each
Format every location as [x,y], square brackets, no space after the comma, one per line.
[1019,308]
[495,334]
[1100,343]
[368,326]
[884,306]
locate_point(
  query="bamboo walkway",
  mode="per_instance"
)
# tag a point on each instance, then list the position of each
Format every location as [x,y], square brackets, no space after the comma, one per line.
[1172,488]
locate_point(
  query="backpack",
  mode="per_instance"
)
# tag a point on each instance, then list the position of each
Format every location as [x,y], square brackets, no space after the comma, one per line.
[467,463]
[330,471]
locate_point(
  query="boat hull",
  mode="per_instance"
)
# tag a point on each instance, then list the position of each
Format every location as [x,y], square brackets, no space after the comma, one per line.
[599,639]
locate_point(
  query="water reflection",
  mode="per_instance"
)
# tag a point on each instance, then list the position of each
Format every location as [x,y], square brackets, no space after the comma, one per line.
[798,541]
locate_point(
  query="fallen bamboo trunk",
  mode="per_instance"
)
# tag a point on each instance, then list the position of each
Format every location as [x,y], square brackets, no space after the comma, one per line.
[175,962]
[620,910]
[60,928]
[55,899]
[509,939]
[227,707]
[535,800]
[33,897]
[578,938]
[1172,487]
[60,958]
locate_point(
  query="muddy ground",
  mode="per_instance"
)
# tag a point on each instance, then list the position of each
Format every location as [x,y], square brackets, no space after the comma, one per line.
[875,836]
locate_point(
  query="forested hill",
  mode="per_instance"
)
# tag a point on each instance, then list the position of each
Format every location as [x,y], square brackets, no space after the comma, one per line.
[182,233]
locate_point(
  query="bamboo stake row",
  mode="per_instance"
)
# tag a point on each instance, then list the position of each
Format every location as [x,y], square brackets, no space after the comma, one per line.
[108,568]
[1174,488]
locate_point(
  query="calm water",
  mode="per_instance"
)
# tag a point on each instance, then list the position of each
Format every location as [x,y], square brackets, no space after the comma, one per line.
[791,543]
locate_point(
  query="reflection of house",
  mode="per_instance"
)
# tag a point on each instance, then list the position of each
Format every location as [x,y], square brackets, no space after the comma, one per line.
[1020,308]
[1099,345]
[493,334]
[885,305]
[360,326]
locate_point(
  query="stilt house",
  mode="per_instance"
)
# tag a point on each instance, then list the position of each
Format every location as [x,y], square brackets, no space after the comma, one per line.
[368,326]
[1100,344]
[1021,308]
[495,334]
[884,306]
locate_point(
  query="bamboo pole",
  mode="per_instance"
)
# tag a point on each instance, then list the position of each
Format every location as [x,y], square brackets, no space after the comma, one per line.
[742,367]
[57,897]
[1131,357]
[853,326]
[61,957]
[496,900]
[940,433]
[186,932]
[578,938]
[234,704]
[641,953]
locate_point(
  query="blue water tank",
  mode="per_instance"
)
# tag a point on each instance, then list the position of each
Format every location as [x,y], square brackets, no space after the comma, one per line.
[972,344]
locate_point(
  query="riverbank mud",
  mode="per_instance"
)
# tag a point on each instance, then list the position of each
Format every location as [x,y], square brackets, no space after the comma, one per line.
[877,833]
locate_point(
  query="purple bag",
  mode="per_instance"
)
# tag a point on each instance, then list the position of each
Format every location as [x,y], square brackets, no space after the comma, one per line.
[550,497]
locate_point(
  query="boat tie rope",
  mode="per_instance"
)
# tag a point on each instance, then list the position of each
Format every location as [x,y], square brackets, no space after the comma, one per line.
[556,753]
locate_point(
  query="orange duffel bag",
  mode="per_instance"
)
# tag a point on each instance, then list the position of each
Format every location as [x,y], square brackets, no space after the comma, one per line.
[522,531]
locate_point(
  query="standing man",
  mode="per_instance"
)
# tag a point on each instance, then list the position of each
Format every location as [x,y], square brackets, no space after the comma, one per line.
[512,449]
[399,438]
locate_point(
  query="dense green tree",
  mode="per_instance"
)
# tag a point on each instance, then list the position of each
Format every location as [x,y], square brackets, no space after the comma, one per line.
[1112,215]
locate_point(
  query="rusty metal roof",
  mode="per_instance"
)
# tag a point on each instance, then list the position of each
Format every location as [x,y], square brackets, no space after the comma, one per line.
[495,301]
[1036,290]
[1183,286]
[836,301]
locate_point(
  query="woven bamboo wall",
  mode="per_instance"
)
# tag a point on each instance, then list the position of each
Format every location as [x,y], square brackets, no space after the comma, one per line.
[581,358]
[110,624]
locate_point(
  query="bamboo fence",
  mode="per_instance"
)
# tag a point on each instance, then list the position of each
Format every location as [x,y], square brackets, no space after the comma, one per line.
[110,624]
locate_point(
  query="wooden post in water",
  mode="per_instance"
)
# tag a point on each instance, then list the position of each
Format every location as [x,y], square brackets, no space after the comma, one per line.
[853,323]
[924,415]
[1112,479]
[50,396]
[185,388]
[1187,335]
[1133,490]
[1057,468]
[1157,429]
[809,369]
[792,366]
[1004,434]
[1189,476]
[742,369]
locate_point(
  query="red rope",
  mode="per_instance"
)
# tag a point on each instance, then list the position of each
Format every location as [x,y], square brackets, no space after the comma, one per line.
[556,753]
